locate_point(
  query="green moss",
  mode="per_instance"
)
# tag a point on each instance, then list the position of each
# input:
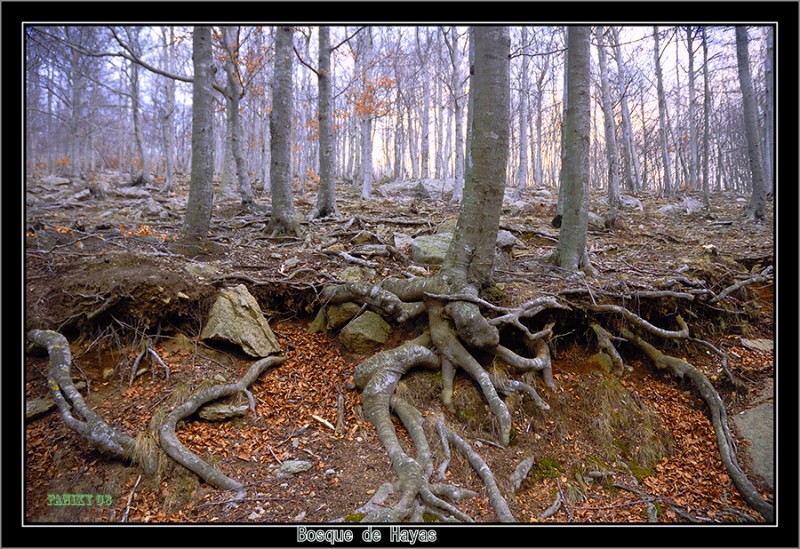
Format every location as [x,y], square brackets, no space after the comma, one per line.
[639,472]
[430,517]
[355,517]
[493,294]
[548,467]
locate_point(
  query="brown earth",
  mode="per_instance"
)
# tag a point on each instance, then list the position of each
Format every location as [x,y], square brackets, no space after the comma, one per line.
[106,275]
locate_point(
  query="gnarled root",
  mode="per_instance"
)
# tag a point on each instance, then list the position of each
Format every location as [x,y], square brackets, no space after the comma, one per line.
[177,451]
[76,412]
[719,420]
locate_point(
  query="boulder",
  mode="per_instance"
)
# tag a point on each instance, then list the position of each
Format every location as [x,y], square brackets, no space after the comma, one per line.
[236,318]
[38,407]
[55,180]
[339,315]
[627,202]
[756,427]
[596,223]
[691,205]
[364,333]
[430,249]
[666,209]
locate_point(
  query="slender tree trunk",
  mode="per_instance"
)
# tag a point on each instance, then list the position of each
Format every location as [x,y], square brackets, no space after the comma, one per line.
[326,195]
[458,102]
[662,117]
[571,249]
[75,111]
[563,155]
[611,138]
[692,124]
[234,94]
[769,113]
[632,170]
[365,51]
[422,55]
[756,209]
[201,196]
[282,219]
[522,172]
[167,112]
[138,124]
[706,122]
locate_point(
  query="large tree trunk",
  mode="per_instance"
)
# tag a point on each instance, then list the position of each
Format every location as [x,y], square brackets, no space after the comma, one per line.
[662,117]
[471,254]
[326,195]
[282,219]
[610,131]
[201,196]
[575,181]
[756,208]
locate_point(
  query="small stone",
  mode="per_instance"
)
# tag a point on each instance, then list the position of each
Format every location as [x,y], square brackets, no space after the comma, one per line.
[330,472]
[108,373]
[289,468]
[220,378]
[221,412]
[37,407]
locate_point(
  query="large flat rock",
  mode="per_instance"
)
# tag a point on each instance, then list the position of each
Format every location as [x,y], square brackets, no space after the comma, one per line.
[756,425]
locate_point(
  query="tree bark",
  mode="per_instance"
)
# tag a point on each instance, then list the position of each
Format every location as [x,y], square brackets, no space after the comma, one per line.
[471,253]
[201,197]
[756,209]
[632,169]
[575,172]
[692,111]
[326,195]
[769,113]
[167,112]
[282,218]
[662,117]
[610,131]
[522,171]
[707,119]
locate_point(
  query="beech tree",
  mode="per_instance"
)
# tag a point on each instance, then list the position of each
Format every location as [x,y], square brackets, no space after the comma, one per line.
[282,219]
[662,117]
[450,294]
[756,209]
[326,195]
[201,197]
[610,131]
[571,251]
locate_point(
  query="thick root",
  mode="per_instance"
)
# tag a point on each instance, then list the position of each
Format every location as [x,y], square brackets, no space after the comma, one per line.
[177,451]
[76,412]
[719,420]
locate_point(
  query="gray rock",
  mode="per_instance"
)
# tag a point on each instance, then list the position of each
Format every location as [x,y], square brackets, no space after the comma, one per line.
[506,240]
[691,205]
[761,345]
[364,333]
[38,407]
[201,270]
[756,426]
[221,412]
[430,249]
[237,318]
[354,274]
[667,209]
[339,315]
[289,468]
[541,194]
[55,180]
[627,202]
[596,223]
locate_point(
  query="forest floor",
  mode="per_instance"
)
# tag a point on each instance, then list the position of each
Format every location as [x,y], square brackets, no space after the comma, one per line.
[108,275]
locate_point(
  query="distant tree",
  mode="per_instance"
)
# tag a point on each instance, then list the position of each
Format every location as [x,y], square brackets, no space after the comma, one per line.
[201,196]
[756,209]
[662,116]
[610,131]
[326,195]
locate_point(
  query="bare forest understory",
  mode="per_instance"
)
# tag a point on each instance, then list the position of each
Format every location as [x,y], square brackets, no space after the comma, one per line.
[611,422]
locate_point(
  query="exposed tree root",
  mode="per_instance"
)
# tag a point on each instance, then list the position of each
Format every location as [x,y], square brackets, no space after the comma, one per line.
[81,418]
[76,412]
[719,420]
[456,326]
[177,451]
